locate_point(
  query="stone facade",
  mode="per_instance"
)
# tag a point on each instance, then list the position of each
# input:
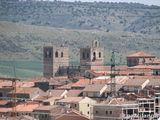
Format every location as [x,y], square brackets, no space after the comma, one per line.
[56,60]
[92,56]
[54,57]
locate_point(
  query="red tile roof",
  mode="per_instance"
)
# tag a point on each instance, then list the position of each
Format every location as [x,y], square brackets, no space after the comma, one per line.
[73,93]
[81,83]
[94,73]
[156,67]
[141,54]
[94,87]
[72,116]
[26,107]
[56,93]
[46,108]
[25,90]
[142,67]
[135,82]
[70,99]
[65,87]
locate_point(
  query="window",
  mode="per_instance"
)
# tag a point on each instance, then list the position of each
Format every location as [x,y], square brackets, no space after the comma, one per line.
[88,112]
[47,54]
[94,56]
[61,54]
[46,115]
[106,112]
[56,54]
[96,112]
[110,112]
[88,105]
[99,54]
[75,105]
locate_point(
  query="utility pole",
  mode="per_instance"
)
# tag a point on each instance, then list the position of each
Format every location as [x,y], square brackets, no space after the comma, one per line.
[112,76]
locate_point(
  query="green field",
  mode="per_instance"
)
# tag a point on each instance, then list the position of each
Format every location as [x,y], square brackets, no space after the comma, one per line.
[23,69]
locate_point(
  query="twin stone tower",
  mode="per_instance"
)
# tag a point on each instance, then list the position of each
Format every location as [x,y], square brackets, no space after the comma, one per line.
[56,60]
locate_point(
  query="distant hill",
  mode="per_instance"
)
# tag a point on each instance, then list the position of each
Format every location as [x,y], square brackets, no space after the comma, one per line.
[25,42]
[103,16]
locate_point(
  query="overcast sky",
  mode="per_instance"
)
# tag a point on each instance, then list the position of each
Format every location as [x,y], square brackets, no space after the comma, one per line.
[147,2]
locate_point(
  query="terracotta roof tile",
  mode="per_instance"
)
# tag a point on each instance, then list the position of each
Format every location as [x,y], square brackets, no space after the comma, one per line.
[23,90]
[94,87]
[46,108]
[81,83]
[3,102]
[141,54]
[94,73]
[65,87]
[26,107]
[73,93]
[56,93]
[72,116]
[154,82]
[134,82]
[70,99]
[156,67]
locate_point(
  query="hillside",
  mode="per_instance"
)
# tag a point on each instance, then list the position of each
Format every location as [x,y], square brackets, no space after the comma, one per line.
[25,42]
[103,16]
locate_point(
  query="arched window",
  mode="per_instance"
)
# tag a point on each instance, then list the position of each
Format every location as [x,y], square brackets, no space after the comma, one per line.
[94,55]
[56,54]
[99,54]
[61,54]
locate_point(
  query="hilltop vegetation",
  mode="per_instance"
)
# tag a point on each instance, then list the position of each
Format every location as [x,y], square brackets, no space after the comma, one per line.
[103,16]
[25,42]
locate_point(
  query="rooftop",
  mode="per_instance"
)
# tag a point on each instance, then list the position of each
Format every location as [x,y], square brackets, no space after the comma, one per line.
[141,54]
[72,116]
[81,83]
[118,101]
[25,90]
[73,93]
[135,82]
[70,99]
[46,108]
[94,87]
[56,93]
